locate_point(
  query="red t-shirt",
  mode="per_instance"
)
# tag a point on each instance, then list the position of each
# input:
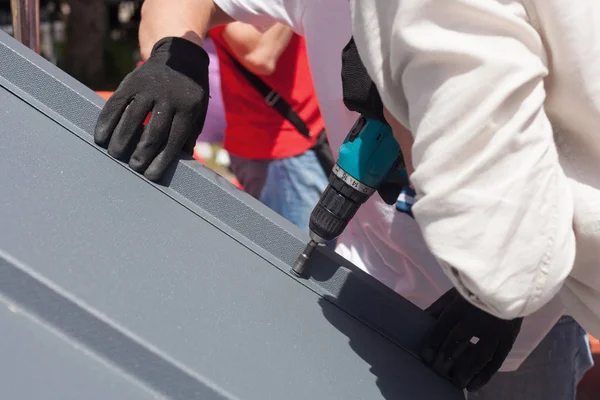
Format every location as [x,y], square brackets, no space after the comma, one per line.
[254,129]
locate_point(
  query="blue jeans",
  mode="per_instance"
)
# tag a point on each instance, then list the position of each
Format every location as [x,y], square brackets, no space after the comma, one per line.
[290,186]
[551,372]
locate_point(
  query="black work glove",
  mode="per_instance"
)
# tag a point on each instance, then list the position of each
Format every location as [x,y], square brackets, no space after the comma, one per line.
[359,92]
[389,191]
[361,95]
[448,349]
[173,85]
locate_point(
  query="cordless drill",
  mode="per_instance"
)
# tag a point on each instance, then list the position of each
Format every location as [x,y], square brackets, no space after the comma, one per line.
[368,157]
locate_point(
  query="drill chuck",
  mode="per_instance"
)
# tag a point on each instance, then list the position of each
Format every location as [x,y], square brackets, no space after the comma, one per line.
[338,204]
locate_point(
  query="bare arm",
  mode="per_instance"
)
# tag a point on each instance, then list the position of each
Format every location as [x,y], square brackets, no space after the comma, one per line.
[189,19]
[258,52]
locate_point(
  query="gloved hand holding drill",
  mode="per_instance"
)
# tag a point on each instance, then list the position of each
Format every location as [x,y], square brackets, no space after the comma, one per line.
[360,95]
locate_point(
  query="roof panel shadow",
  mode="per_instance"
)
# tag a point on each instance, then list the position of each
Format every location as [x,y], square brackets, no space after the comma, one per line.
[112,286]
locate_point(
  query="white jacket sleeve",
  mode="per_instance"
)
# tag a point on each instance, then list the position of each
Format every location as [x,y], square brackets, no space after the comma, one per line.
[467,78]
[264,13]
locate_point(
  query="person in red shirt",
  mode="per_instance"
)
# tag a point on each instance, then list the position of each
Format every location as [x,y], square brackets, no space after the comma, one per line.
[270,157]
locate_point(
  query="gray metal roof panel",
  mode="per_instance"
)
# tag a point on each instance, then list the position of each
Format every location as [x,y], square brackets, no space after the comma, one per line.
[40,364]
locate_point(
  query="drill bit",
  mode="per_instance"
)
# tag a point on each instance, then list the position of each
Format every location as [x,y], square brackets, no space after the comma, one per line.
[300,263]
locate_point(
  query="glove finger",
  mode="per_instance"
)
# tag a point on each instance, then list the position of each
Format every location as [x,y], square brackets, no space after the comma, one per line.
[389,192]
[451,351]
[180,131]
[130,124]
[435,337]
[193,137]
[472,362]
[153,139]
[496,359]
[109,118]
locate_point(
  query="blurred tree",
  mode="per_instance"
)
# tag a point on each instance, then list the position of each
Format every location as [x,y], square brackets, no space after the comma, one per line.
[87,28]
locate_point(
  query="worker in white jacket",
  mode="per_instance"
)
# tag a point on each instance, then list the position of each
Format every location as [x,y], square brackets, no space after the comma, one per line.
[503,102]
[381,240]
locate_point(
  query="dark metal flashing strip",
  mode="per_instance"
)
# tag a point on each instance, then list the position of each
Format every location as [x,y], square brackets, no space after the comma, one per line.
[76,107]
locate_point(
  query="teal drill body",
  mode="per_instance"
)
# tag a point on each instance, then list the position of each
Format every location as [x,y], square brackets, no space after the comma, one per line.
[370,154]
[368,157]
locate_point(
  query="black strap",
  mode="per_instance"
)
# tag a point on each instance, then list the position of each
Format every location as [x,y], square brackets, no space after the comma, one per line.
[323,152]
[272,98]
